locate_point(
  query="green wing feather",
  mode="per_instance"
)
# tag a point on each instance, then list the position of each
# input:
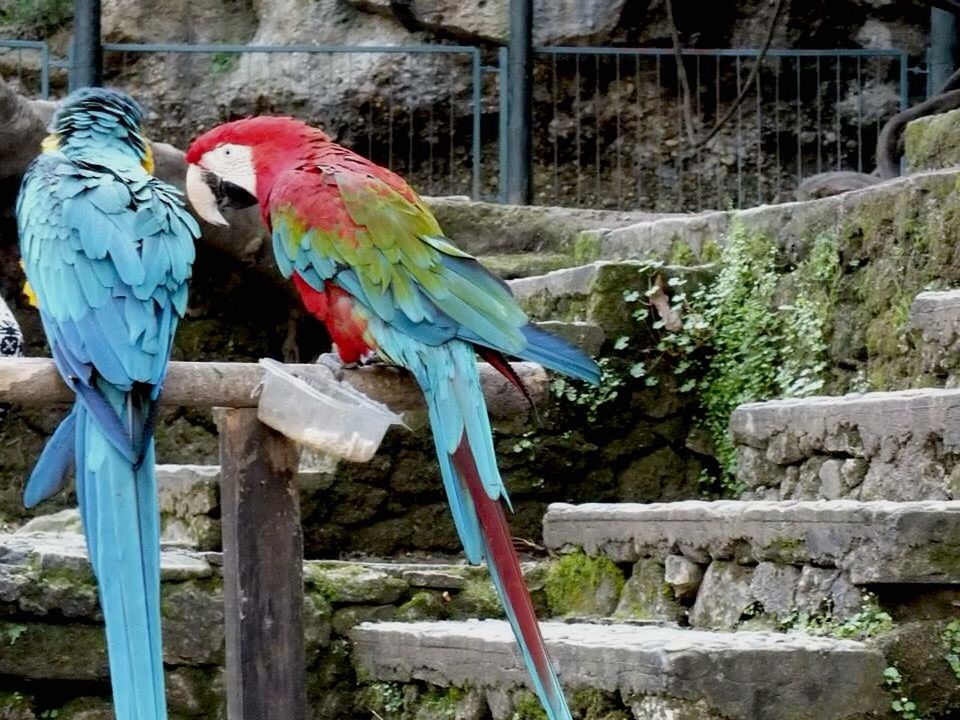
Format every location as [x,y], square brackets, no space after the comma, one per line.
[397,249]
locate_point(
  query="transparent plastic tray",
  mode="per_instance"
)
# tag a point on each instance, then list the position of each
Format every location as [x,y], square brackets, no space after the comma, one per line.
[322,414]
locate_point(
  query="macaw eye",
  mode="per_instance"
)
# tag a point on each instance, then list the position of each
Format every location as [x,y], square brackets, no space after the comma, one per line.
[226,151]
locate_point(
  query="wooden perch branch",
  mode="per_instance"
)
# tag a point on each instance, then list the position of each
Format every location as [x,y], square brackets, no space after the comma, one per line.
[35,381]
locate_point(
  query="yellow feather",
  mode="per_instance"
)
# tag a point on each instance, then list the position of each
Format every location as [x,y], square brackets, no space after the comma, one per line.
[28,291]
[147,162]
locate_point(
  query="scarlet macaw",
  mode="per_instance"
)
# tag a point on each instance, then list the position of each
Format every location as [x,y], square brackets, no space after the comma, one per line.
[108,250]
[370,261]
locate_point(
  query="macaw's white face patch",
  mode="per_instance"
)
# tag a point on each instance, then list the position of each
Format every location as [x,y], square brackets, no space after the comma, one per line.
[232,163]
[224,178]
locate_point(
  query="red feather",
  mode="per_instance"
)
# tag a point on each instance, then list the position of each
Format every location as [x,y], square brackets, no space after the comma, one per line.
[336,309]
[502,559]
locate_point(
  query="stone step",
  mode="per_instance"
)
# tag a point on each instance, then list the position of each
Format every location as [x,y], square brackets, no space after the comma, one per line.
[646,671]
[902,446]
[695,238]
[936,315]
[483,228]
[518,265]
[51,629]
[592,293]
[873,542]
[722,563]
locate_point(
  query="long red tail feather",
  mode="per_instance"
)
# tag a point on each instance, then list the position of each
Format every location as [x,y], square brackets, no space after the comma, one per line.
[503,561]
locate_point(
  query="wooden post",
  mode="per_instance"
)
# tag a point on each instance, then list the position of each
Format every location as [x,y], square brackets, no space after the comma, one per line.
[262,570]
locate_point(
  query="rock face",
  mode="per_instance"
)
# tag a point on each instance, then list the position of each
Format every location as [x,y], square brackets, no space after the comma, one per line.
[937,316]
[567,22]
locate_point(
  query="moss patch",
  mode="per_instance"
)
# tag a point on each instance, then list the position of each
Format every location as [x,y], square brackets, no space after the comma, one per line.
[933,142]
[578,584]
[477,599]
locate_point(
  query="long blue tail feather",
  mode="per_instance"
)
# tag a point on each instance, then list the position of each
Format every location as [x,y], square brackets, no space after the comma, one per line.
[50,473]
[559,355]
[118,506]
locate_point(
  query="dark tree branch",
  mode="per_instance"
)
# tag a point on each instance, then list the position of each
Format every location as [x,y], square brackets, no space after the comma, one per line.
[685,81]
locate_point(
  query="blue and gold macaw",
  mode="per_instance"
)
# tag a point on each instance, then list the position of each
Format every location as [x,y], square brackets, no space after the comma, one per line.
[108,249]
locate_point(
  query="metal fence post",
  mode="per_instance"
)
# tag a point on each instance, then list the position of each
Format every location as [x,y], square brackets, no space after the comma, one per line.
[86,66]
[503,151]
[943,48]
[520,171]
[262,570]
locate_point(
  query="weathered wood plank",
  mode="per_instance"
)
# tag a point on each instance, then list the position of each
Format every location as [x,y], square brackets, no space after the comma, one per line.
[34,381]
[262,571]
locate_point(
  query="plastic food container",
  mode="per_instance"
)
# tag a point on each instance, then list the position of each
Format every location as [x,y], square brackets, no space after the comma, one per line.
[322,414]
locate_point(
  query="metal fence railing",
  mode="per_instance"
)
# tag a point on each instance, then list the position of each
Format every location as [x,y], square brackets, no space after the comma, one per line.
[27,64]
[612,125]
[417,109]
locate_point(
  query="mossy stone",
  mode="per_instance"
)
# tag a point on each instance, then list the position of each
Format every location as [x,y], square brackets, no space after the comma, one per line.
[578,584]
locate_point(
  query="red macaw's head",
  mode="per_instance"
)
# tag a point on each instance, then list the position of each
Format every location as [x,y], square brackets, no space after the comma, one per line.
[235,164]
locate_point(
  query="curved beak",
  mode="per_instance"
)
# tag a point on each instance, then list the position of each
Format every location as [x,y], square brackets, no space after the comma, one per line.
[210,194]
[200,191]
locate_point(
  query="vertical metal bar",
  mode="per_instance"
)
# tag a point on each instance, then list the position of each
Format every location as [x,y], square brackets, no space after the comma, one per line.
[86,66]
[678,157]
[943,47]
[451,134]
[660,130]
[262,570]
[617,141]
[904,101]
[503,76]
[799,124]
[759,114]
[699,112]
[45,71]
[390,122]
[639,144]
[477,109]
[836,117]
[521,101]
[716,116]
[411,138]
[859,117]
[596,130]
[430,143]
[819,120]
[904,84]
[776,123]
[370,129]
[737,65]
[576,116]
[555,130]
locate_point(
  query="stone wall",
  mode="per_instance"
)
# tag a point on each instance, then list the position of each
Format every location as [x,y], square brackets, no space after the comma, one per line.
[51,636]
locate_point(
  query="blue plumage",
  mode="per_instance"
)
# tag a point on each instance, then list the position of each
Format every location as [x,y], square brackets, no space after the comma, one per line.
[108,249]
